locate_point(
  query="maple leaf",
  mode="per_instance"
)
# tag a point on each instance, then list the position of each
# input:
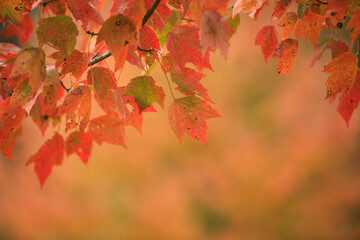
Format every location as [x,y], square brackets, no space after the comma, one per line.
[216,5]
[29,62]
[115,31]
[21,32]
[134,10]
[79,143]
[85,11]
[148,39]
[12,10]
[184,46]
[108,128]
[189,115]
[159,18]
[145,92]
[6,147]
[117,104]
[76,63]
[188,82]
[337,48]
[342,73]
[103,79]
[249,7]
[349,100]
[280,7]
[288,22]
[286,52]
[59,31]
[58,7]
[49,155]
[214,32]
[310,27]
[354,26]
[11,116]
[267,39]
[77,105]
[39,113]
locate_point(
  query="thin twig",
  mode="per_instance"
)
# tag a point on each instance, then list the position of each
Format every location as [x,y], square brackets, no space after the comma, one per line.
[47,2]
[145,19]
[66,89]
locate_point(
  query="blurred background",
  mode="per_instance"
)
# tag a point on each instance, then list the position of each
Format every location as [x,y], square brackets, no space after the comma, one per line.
[280,164]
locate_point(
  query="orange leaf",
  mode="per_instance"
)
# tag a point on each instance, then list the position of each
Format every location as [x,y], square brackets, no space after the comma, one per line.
[288,22]
[354,26]
[310,27]
[342,73]
[280,7]
[286,52]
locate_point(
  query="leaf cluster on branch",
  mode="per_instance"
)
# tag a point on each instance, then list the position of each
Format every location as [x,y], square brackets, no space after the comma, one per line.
[174,35]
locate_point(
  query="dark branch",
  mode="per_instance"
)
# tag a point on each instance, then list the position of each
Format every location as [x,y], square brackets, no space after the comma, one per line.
[321,2]
[47,2]
[66,89]
[100,58]
[150,11]
[145,19]
[91,33]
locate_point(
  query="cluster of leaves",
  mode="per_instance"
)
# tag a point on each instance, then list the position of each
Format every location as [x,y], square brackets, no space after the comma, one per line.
[176,35]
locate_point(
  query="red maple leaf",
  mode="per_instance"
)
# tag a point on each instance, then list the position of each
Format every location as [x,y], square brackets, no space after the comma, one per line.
[49,155]
[189,115]
[79,143]
[267,39]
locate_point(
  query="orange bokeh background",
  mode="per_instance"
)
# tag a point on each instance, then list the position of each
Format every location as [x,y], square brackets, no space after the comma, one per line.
[280,164]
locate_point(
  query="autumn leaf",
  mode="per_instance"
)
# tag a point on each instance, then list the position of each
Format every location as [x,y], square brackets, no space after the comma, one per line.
[249,7]
[354,26]
[280,7]
[58,7]
[75,64]
[39,113]
[76,106]
[342,73]
[108,128]
[148,39]
[22,32]
[288,22]
[49,155]
[12,10]
[349,100]
[184,46]
[11,116]
[115,31]
[267,39]
[159,18]
[6,147]
[85,11]
[214,32]
[103,80]
[188,82]
[145,92]
[189,115]
[79,143]
[29,62]
[286,52]
[310,27]
[59,31]
[134,10]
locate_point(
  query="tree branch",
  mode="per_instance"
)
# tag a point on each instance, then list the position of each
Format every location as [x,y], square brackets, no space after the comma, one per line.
[147,16]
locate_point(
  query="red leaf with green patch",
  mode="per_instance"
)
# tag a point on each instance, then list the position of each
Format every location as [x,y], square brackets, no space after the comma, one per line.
[59,31]
[145,92]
